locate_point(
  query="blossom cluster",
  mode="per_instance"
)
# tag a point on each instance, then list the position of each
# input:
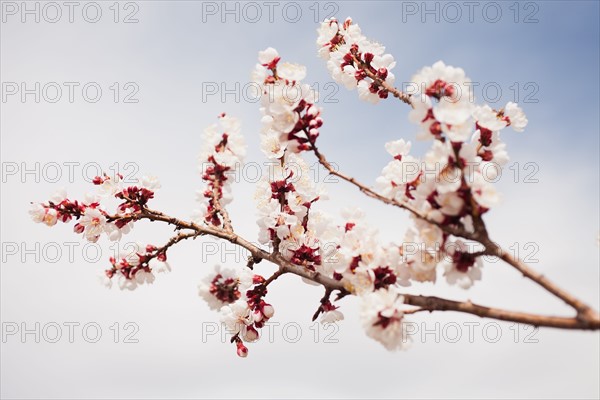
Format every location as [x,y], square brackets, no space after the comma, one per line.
[93,220]
[448,190]
[291,119]
[452,184]
[355,61]
[239,297]
[222,154]
[136,266]
[290,222]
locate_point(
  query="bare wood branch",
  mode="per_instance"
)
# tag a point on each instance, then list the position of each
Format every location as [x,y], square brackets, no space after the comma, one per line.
[583,310]
[431,303]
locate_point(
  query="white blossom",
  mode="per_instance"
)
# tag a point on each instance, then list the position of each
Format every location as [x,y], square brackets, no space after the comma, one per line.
[382,318]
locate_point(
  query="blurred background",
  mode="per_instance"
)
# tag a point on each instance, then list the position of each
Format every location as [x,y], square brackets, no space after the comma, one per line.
[129,86]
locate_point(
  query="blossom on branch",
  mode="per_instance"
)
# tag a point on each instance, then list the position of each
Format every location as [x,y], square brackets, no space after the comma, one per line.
[447,192]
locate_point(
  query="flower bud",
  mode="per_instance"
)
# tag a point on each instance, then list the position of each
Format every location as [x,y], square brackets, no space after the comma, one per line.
[268,311]
[382,73]
[242,350]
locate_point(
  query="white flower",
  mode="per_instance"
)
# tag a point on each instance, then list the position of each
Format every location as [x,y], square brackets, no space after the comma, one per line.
[224,286]
[326,32]
[460,267]
[459,132]
[488,118]
[37,212]
[59,196]
[359,281]
[382,317]
[398,148]
[94,223]
[150,182]
[124,283]
[237,317]
[90,198]
[267,56]
[452,90]
[484,192]
[397,174]
[516,116]
[142,277]
[450,203]
[159,266]
[446,176]
[291,72]
[271,146]
[131,253]
[114,233]
[332,316]
[364,93]
[111,185]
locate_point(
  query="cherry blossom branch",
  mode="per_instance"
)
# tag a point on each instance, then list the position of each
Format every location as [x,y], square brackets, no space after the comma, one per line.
[256,252]
[586,315]
[586,319]
[400,95]
[450,229]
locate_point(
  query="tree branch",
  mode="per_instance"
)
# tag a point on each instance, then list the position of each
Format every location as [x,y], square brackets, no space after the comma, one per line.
[584,311]
[400,95]
[450,229]
[586,319]
[431,303]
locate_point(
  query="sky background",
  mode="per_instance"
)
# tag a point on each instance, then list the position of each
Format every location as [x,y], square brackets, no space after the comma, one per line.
[171,55]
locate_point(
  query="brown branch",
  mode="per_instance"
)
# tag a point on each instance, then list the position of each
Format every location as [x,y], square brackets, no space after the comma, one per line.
[276,275]
[586,318]
[587,321]
[431,303]
[216,200]
[450,229]
[256,252]
[584,311]
[174,240]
